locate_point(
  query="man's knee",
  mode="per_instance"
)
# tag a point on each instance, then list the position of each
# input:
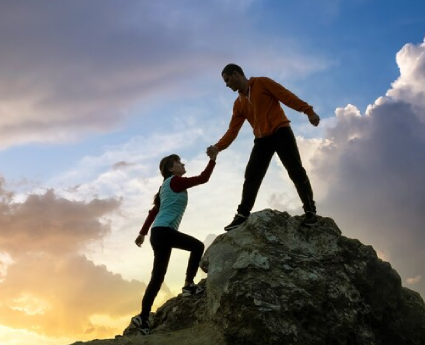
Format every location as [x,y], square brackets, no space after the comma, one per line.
[298,176]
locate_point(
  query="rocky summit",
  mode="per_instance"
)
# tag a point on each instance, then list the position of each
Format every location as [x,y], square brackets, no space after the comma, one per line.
[272,281]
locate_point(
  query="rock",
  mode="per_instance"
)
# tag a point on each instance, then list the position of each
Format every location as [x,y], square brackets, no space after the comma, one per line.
[271,281]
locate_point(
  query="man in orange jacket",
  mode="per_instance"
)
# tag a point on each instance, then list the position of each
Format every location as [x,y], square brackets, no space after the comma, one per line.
[259,103]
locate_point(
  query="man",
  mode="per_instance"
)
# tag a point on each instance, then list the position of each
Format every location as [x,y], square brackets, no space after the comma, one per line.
[259,103]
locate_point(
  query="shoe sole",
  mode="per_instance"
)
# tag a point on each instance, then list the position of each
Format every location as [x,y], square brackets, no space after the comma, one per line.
[309,225]
[144,331]
[137,325]
[228,228]
[187,294]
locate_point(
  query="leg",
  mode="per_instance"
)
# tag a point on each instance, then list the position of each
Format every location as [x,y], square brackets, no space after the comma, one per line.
[196,248]
[175,239]
[256,169]
[160,265]
[287,150]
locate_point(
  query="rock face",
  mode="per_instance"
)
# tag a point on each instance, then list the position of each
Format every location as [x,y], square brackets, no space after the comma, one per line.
[271,281]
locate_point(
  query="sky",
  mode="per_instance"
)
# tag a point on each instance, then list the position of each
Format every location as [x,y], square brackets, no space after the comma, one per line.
[94,93]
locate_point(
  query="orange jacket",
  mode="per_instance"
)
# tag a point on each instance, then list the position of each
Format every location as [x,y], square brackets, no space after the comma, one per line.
[261,108]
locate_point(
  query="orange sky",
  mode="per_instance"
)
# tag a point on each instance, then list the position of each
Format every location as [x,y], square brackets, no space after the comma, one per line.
[50,289]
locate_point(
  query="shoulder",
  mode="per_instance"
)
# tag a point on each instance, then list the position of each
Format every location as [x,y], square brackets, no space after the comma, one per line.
[262,80]
[176,182]
[168,179]
[167,182]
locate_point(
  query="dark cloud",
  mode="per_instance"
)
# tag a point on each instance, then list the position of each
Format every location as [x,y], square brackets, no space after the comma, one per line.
[51,224]
[374,169]
[122,165]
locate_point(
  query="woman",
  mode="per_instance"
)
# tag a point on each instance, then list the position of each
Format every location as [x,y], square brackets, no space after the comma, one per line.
[169,205]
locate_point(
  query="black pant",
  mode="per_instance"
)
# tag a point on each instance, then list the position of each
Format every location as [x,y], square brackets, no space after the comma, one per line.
[284,144]
[163,240]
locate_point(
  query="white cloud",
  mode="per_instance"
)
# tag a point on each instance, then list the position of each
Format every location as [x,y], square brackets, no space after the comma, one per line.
[5,262]
[410,86]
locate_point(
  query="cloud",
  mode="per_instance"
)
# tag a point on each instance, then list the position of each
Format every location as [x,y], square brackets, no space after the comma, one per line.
[74,69]
[122,165]
[414,280]
[373,166]
[50,224]
[5,261]
[410,86]
[70,69]
[58,295]
[46,285]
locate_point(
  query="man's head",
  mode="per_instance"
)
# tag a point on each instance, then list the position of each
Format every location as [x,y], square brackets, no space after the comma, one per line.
[230,68]
[234,77]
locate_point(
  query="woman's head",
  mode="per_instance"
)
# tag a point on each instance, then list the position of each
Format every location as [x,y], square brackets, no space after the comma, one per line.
[166,165]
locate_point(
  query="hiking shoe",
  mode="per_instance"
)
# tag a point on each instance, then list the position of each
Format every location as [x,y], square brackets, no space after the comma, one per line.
[141,324]
[238,220]
[310,219]
[191,289]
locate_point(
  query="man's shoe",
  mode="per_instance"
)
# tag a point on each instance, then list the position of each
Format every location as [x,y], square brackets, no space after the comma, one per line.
[191,289]
[238,220]
[141,324]
[310,219]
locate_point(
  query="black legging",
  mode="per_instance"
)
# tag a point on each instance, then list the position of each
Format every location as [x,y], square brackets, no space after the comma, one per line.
[163,240]
[284,144]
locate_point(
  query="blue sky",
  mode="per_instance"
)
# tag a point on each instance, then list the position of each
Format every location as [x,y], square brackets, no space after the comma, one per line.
[94,93]
[341,45]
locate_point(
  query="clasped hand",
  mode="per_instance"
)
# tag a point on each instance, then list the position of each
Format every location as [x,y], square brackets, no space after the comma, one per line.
[212,152]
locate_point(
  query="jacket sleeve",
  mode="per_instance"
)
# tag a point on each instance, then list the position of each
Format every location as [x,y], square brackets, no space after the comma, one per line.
[179,184]
[149,220]
[287,97]
[235,125]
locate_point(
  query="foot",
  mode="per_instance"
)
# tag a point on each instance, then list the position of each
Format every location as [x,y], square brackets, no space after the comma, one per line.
[191,289]
[238,220]
[310,219]
[141,323]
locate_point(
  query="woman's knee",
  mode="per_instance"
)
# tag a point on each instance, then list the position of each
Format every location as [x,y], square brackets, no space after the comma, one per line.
[199,248]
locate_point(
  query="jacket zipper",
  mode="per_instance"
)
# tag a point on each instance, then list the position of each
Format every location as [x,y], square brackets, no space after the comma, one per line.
[255,112]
